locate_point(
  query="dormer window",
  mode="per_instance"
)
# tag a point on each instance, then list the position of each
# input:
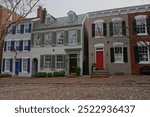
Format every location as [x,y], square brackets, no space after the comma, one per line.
[71,16]
[49,19]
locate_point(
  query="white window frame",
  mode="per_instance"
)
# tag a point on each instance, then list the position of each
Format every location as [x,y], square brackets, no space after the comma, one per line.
[18,28]
[142,44]
[23,70]
[6,63]
[72,37]
[26,27]
[48,38]
[117,26]
[99,27]
[115,45]
[37,40]
[8,46]
[59,38]
[49,63]
[16,44]
[27,45]
[59,64]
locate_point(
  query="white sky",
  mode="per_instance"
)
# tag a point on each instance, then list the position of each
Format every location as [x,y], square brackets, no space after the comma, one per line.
[60,8]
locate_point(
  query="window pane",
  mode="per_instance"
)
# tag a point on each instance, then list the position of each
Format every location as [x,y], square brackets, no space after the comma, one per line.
[99,29]
[25,64]
[59,61]
[119,54]
[73,37]
[60,38]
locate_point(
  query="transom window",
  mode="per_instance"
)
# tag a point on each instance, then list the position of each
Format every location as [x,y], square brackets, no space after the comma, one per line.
[26,45]
[60,38]
[7,66]
[24,65]
[37,39]
[144,54]
[59,61]
[73,37]
[117,26]
[8,45]
[26,28]
[17,45]
[48,38]
[47,61]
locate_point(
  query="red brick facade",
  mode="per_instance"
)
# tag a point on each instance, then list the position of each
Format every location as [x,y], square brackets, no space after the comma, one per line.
[135,67]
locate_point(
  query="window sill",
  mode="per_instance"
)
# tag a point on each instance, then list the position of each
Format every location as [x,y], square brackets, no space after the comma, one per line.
[25,72]
[143,62]
[117,36]
[119,62]
[96,37]
[142,34]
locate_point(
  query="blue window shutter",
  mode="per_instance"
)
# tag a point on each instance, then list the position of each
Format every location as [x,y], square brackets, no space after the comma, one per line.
[11,65]
[12,45]
[30,28]
[14,30]
[20,65]
[28,65]
[3,65]
[22,28]
[5,46]
[29,45]
[21,45]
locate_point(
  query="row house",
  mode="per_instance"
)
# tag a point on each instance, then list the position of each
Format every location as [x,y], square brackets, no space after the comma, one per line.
[17,50]
[57,44]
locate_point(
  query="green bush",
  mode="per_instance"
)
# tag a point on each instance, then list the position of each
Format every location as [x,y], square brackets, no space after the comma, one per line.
[78,71]
[40,74]
[62,73]
[56,74]
[49,74]
[5,75]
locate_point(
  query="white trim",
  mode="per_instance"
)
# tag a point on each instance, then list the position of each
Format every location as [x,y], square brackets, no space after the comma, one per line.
[140,16]
[22,64]
[118,44]
[116,19]
[99,45]
[141,43]
[99,21]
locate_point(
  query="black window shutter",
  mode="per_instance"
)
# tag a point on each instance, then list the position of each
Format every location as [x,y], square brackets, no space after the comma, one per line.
[136,54]
[11,65]
[28,65]
[123,28]
[20,65]
[134,27]
[105,29]
[125,52]
[5,46]
[112,57]
[111,28]
[93,30]
[3,65]
[148,25]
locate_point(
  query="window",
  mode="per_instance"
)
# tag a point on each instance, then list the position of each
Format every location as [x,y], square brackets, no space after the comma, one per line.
[118,53]
[60,38]
[17,45]
[26,45]
[24,65]
[37,39]
[47,62]
[18,28]
[48,38]
[26,28]
[8,45]
[73,37]
[59,62]
[144,54]
[98,28]
[7,63]
[141,27]
[117,26]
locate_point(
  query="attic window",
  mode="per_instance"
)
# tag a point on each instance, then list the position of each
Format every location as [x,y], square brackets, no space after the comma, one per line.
[48,18]
[71,16]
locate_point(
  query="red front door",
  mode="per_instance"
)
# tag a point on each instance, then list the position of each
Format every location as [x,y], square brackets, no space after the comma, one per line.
[99,60]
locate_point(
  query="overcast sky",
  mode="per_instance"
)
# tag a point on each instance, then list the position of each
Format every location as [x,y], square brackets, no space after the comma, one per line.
[60,8]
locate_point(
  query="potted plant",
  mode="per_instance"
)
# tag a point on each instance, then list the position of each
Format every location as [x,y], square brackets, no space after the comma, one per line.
[94,67]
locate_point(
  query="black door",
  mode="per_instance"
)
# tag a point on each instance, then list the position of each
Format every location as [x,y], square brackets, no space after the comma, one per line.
[73,63]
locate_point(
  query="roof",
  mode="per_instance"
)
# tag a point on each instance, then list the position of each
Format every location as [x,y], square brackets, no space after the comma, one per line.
[60,22]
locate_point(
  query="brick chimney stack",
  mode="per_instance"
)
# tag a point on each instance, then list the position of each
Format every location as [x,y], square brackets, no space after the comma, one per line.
[41,13]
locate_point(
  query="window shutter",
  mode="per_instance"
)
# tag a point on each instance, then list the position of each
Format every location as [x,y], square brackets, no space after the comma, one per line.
[3,65]
[28,66]
[125,52]
[32,40]
[21,45]
[93,30]
[111,28]
[12,45]
[134,27]
[148,25]
[22,28]
[104,29]
[30,28]
[64,63]
[54,39]
[13,30]
[79,37]
[20,65]
[5,47]
[53,61]
[29,45]
[66,38]
[11,65]
[112,57]
[42,62]
[123,28]
[42,40]
[136,54]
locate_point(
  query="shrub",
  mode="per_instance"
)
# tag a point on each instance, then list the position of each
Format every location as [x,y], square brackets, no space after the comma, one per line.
[78,71]
[49,74]
[40,74]
[62,73]
[5,75]
[56,74]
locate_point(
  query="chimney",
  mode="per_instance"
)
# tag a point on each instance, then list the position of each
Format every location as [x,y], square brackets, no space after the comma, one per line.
[41,13]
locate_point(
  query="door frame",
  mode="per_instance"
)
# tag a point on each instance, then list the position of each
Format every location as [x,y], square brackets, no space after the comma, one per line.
[100,45]
[17,64]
